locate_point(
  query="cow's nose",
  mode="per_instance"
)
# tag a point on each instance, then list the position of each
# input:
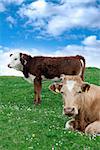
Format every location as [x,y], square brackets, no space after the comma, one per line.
[9,66]
[69,111]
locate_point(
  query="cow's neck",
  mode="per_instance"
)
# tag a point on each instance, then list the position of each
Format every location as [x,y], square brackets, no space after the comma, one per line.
[82,122]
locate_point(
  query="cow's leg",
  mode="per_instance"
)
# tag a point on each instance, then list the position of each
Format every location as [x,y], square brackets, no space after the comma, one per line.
[82,122]
[93,128]
[71,125]
[37,90]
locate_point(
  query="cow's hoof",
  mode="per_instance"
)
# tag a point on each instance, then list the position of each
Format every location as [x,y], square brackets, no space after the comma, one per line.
[37,102]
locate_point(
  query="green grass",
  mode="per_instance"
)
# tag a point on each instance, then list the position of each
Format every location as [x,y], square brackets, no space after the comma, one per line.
[24,126]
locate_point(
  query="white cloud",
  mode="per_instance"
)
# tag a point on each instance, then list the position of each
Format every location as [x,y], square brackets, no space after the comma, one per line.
[11,21]
[34,10]
[91,54]
[57,25]
[90,50]
[4,3]
[2,7]
[78,1]
[18,2]
[74,17]
[61,17]
[92,42]
[54,19]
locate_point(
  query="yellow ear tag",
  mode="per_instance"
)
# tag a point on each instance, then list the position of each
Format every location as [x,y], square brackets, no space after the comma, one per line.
[57,91]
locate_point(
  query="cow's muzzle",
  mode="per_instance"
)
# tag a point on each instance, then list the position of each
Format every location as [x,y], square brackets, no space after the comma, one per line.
[70,111]
[9,66]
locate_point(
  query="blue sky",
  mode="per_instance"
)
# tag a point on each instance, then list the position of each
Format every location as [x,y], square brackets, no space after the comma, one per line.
[50,27]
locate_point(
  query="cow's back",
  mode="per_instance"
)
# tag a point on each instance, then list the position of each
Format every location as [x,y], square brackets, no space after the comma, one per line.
[55,66]
[52,67]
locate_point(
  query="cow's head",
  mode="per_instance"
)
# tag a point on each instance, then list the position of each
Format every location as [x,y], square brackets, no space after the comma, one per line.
[18,60]
[72,89]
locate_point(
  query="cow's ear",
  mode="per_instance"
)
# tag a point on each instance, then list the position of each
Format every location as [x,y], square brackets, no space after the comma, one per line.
[25,56]
[55,87]
[23,59]
[85,87]
[22,56]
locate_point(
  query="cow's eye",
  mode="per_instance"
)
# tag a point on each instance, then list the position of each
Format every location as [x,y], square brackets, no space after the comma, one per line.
[15,59]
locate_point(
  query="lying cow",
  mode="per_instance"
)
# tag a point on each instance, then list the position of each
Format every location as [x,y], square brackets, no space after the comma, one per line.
[38,68]
[82,102]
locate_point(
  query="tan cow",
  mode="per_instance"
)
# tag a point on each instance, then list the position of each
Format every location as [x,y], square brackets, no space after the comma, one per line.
[82,102]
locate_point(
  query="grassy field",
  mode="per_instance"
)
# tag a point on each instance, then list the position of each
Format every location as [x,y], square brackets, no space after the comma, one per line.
[24,126]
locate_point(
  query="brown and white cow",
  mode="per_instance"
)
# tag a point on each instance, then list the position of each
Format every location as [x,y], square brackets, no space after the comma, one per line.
[82,102]
[39,67]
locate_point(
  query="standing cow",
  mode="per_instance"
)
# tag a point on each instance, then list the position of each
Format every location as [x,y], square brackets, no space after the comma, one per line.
[82,102]
[39,67]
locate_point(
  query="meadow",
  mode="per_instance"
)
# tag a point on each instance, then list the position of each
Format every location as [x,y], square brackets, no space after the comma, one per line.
[24,126]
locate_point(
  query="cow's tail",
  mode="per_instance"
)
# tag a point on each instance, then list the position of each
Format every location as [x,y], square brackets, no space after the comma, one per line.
[83,63]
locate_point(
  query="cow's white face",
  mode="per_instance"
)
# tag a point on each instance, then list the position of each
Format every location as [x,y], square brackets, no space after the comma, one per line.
[70,85]
[69,92]
[15,62]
